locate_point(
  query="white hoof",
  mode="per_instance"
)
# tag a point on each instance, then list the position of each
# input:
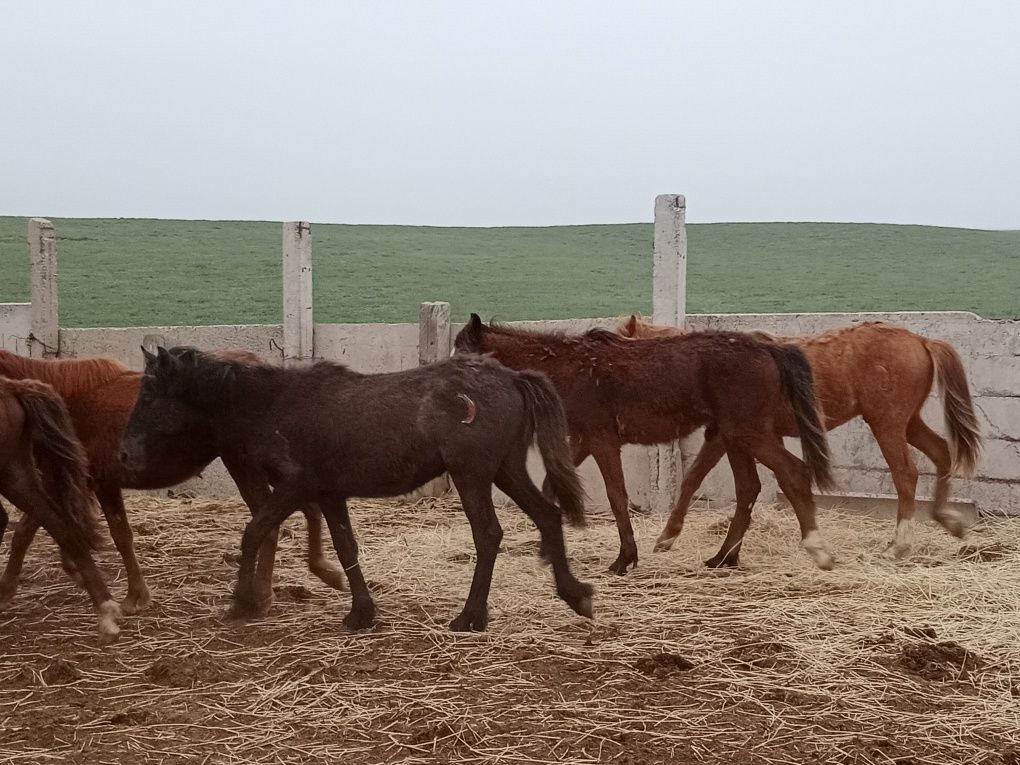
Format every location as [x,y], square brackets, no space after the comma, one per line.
[109,614]
[815,547]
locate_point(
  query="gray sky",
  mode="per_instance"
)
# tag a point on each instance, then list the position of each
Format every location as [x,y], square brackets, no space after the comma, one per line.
[520,113]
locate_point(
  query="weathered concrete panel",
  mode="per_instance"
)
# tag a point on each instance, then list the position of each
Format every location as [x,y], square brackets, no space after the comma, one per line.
[125,344]
[15,326]
[369,348]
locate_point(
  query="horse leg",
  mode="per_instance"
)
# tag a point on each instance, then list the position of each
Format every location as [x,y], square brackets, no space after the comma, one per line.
[326,570]
[748,486]
[892,440]
[21,540]
[795,480]
[936,449]
[22,489]
[607,457]
[263,528]
[514,481]
[138,597]
[256,493]
[476,499]
[338,518]
[708,456]
[3,522]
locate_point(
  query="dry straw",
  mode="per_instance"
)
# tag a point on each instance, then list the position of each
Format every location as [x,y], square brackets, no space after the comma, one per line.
[874,662]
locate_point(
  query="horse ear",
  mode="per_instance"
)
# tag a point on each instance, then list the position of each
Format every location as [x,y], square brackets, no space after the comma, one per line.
[632,325]
[164,359]
[475,325]
[149,356]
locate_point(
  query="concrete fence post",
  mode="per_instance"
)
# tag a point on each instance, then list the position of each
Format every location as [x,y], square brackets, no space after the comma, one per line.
[669,306]
[433,332]
[44,339]
[298,327]
[434,345]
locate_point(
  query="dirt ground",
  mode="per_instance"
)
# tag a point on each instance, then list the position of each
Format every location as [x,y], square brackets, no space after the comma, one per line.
[875,662]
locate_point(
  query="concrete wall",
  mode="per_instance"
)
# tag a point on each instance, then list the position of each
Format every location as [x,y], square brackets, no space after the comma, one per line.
[15,326]
[990,351]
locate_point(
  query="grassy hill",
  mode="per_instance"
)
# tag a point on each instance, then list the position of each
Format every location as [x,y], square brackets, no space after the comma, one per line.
[143,272]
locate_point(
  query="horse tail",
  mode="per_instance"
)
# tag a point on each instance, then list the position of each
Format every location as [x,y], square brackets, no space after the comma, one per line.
[548,426]
[61,459]
[961,422]
[799,389]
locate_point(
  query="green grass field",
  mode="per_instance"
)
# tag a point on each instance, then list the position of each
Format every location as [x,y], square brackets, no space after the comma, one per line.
[150,272]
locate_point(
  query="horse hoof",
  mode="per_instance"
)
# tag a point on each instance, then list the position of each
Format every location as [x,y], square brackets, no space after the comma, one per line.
[6,596]
[470,622]
[725,562]
[584,608]
[621,564]
[664,544]
[109,630]
[359,620]
[332,576]
[952,522]
[822,559]
[135,604]
[895,551]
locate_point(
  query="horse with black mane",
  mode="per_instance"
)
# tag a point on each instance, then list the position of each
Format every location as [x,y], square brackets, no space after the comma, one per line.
[44,472]
[618,391]
[322,433]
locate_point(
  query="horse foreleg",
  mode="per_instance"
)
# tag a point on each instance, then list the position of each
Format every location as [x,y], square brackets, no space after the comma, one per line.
[708,457]
[607,456]
[326,570]
[21,540]
[256,493]
[362,612]
[138,597]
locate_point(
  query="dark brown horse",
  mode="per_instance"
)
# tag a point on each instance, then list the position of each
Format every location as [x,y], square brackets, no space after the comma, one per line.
[619,391]
[884,374]
[44,471]
[322,433]
[100,393]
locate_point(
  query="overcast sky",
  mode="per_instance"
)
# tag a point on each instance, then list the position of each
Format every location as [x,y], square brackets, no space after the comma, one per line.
[520,113]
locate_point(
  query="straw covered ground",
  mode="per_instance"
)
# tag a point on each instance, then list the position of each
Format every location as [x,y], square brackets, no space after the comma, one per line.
[874,662]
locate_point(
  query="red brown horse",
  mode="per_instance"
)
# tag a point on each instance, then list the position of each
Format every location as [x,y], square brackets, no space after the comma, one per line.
[653,391]
[100,394]
[884,374]
[37,446]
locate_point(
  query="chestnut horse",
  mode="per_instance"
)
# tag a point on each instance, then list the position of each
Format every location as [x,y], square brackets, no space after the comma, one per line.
[619,391]
[322,433]
[882,373]
[44,471]
[100,393]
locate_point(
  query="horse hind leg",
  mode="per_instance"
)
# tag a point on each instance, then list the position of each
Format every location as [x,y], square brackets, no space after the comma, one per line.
[24,532]
[27,495]
[514,481]
[935,448]
[326,570]
[794,479]
[892,440]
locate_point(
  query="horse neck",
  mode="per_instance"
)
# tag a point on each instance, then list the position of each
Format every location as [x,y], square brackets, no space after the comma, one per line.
[67,376]
[545,353]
